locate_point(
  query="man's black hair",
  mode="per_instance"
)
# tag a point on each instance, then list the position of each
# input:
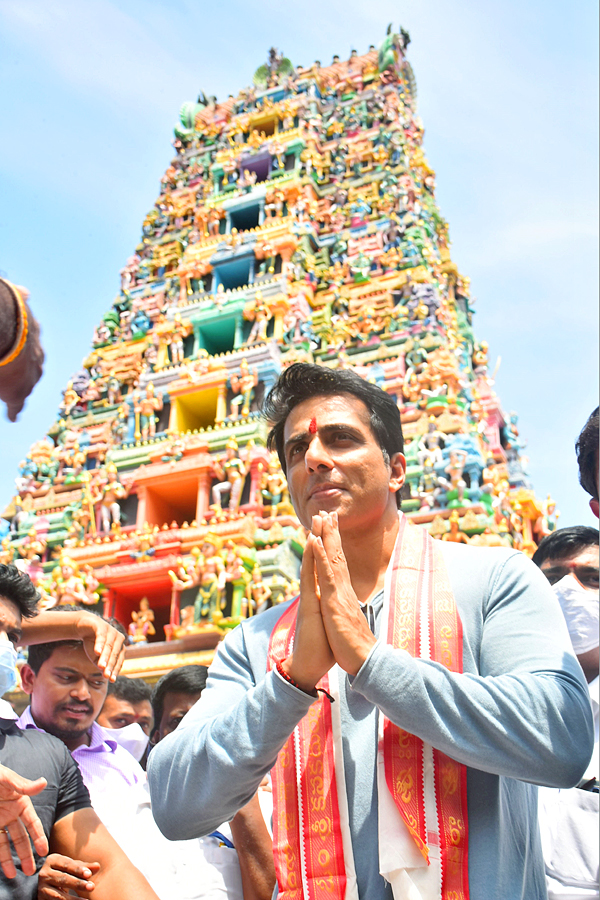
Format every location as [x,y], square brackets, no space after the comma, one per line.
[564,543]
[586,447]
[37,654]
[185,680]
[303,381]
[8,316]
[20,590]
[133,690]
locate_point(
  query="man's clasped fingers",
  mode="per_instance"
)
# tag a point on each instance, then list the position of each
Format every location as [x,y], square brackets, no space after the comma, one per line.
[333,576]
[312,655]
[346,627]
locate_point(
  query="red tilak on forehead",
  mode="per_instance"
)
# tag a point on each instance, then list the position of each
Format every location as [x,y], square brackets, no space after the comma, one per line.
[313,426]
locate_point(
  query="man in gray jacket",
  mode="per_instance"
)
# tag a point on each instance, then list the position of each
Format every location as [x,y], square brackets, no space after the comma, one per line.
[407,703]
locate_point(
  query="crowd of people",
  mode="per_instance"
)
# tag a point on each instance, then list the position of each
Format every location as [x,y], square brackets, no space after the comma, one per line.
[381,736]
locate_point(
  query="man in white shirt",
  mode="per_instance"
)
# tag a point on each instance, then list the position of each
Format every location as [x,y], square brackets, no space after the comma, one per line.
[569,818]
[235,862]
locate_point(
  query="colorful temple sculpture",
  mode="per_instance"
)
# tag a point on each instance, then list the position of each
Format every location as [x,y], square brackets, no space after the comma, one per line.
[296,222]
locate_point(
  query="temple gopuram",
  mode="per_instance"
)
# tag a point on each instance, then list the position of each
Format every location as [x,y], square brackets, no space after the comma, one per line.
[296,222]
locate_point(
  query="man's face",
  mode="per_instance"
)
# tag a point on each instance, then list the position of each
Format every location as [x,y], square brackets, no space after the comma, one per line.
[10,621]
[66,695]
[176,704]
[583,564]
[117,713]
[335,464]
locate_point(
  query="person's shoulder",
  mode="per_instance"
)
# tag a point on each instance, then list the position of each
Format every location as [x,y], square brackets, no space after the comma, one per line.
[484,557]
[37,738]
[490,561]
[489,575]
[475,570]
[27,747]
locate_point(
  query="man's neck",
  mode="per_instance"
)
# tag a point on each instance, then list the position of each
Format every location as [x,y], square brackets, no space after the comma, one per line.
[75,742]
[368,553]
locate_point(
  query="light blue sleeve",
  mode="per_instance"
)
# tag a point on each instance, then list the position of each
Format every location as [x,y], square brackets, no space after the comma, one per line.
[523,711]
[211,766]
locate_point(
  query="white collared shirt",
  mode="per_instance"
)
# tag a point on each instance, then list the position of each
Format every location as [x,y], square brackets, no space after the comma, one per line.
[200,869]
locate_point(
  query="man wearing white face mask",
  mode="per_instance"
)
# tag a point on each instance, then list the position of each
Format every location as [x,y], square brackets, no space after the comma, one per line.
[127,715]
[569,818]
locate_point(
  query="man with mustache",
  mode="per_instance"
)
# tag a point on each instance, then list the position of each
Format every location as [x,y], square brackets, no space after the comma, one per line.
[407,702]
[65,821]
[67,691]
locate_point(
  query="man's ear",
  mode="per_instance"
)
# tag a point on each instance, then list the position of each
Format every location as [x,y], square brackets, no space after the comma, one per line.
[398,473]
[595,507]
[27,678]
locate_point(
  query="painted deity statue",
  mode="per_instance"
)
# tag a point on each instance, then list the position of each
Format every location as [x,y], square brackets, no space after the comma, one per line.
[237,576]
[454,534]
[69,401]
[456,466]
[71,586]
[260,315]
[176,338]
[105,497]
[232,472]
[142,623]
[431,444]
[145,409]
[259,593]
[243,386]
[429,486]
[212,579]
[273,485]
[33,547]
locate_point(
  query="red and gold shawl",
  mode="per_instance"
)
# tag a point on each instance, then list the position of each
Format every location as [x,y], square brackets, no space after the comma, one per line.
[311,839]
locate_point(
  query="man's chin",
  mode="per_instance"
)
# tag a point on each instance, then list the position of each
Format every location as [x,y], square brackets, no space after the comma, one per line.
[66,730]
[314,510]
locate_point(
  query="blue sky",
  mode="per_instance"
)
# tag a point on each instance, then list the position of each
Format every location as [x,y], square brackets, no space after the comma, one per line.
[89,93]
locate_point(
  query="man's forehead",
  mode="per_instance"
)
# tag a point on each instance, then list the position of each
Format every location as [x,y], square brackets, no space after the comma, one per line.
[585,556]
[9,611]
[323,409]
[73,657]
[179,699]
[119,704]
